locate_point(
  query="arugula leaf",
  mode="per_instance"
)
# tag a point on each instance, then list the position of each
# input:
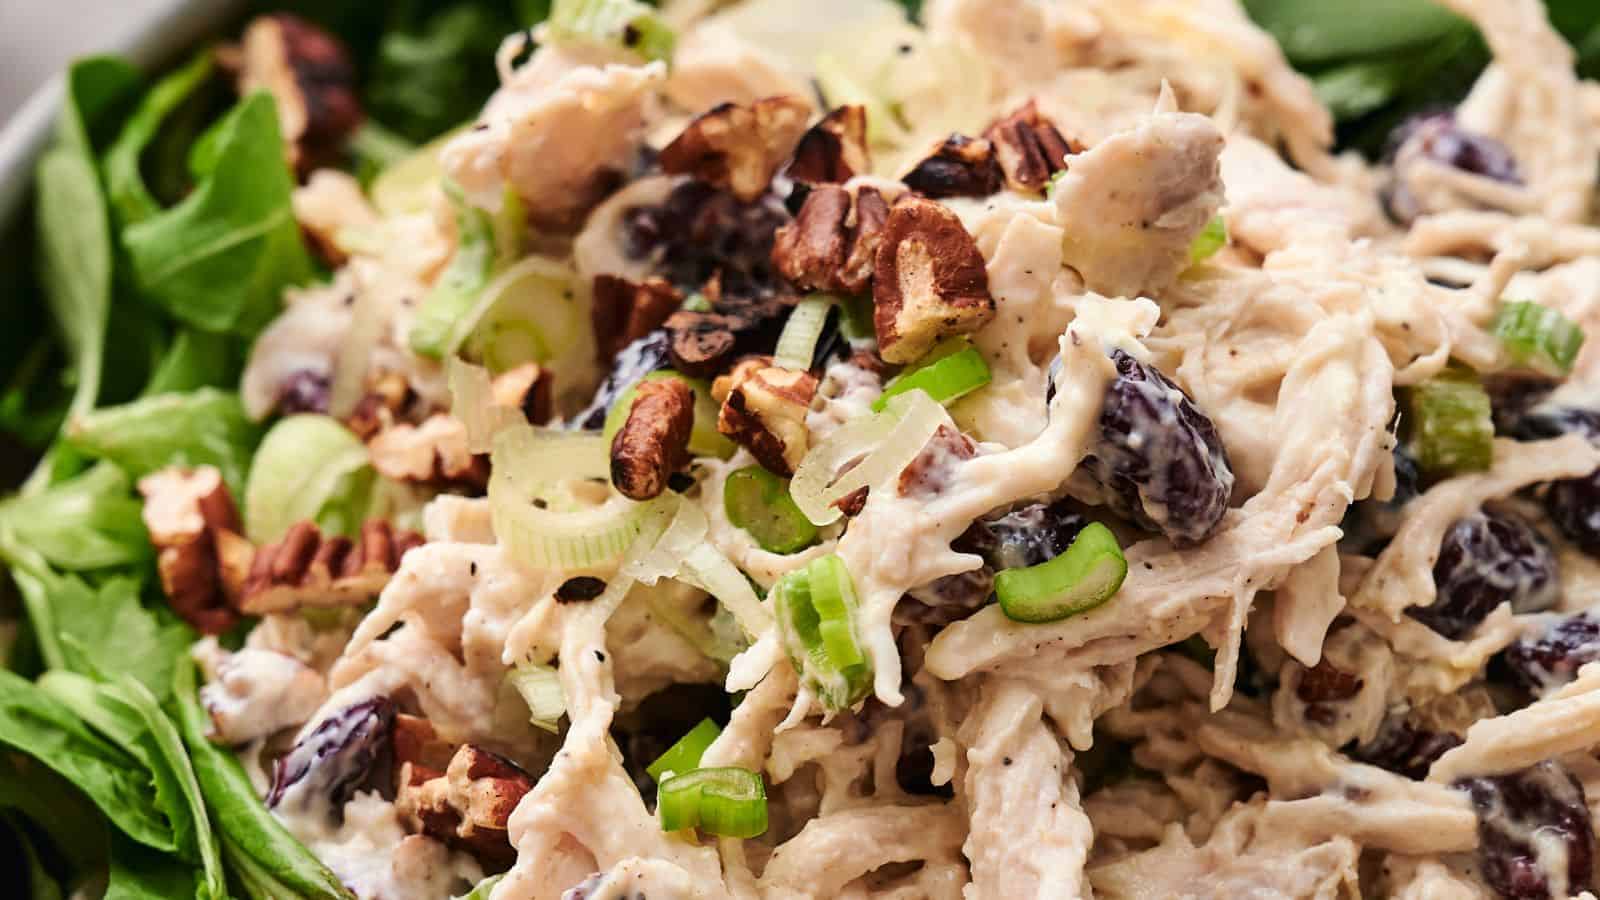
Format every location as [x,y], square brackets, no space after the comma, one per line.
[92,631]
[127,713]
[75,828]
[38,725]
[203,427]
[75,262]
[96,85]
[124,180]
[219,261]
[139,873]
[90,521]
[258,849]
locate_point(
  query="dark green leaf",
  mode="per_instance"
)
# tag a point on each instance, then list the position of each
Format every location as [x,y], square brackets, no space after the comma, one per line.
[194,360]
[1317,31]
[139,873]
[124,181]
[76,830]
[431,78]
[259,851]
[96,86]
[203,427]
[39,726]
[75,262]
[219,261]
[40,884]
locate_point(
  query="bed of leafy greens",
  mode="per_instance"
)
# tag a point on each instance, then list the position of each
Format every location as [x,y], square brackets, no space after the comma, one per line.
[161,240]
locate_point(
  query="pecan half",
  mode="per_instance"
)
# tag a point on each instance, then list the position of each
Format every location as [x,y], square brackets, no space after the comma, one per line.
[834,150]
[1029,148]
[528,388]
[764,410]
[959,167]
[624,311]
[929,281]
[308,569]
[184,509]
[310,77]
[386,398]
[434,452]
[738,148]
[654,440]
[468,805]
[414,740]
[823,248]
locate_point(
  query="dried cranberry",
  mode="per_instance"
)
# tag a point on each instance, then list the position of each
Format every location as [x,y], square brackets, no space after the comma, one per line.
[638,359]
[1404,749]
[1437,136]
[1158,458]
[1488,558]
[1535,839]
[1513,400]
[332,762]
[1551,658]
[1573,504]
[1325,682]
[698,233]
[1545,422]
[1028,536]
[305,391]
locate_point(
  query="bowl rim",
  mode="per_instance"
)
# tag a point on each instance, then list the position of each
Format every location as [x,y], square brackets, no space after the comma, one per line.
[151,41]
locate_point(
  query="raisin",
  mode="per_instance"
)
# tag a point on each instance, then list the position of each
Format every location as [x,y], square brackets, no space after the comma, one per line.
[1405,749]
[1551,658]
[1158,458]
[699,233]
[1573,504]
[638,359]
[1535,839]
[1437,136]
[1512,401]
[305,391]
[1487,558]
[337,758]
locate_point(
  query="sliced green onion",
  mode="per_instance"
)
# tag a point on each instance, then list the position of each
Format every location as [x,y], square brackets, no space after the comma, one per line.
[540,687]
[730,802]
[945,379]
[704,438]
[684,756]
[816,607]
[798,342]
[622,23]
[1538,337]
[529,313]
[462,281]
[888,440]
[759,502]
[1450,426]
[855,318]
[1209,241]
[1084,576]
[535,476]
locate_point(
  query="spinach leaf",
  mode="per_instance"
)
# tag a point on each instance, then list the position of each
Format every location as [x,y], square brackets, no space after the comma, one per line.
[139,873]
[124,179]
[90,521]
[1316,31]
[219,261]
[431,75]
[96,85]
[38,725]
[260,852]
[203,427]
[75,262]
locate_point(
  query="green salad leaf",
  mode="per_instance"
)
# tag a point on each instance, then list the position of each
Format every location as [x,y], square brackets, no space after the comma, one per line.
[432,75]
[139,873]
[195,359]
[34,723]
[40,883]
[58,810]
[203,427]
[124,180]
[219,261]
[91,521]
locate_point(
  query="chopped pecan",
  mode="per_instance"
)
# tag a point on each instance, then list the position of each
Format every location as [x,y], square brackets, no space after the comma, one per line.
[834,150]
[738,148]
[527,387]
[468,805]
[823,249]
[414,740]
[308,569]
[654,440]
[311,80]
[929,281]
[929,471]
[184,510]
[434,452]
[959,167]
[624,311]
[764,410]
[386,398]
[1029,148]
